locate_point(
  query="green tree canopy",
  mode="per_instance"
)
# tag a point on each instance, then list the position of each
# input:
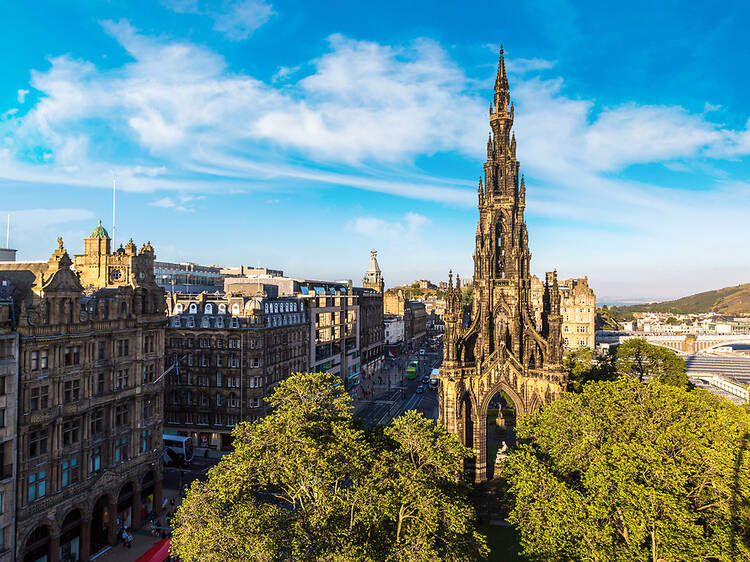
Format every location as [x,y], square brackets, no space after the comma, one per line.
[307,483]
[639,359]
[628,471]
[583,366]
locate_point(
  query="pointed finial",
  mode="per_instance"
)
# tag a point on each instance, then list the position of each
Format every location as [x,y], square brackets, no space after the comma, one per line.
[60,243]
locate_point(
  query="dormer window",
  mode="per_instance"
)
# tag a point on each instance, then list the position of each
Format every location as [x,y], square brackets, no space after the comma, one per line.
[176,322]
[219,322]
[193,308]
[209,309]
[178,308]
[222,309]
[205,322]
[235,322]
[190,322]
[235,308]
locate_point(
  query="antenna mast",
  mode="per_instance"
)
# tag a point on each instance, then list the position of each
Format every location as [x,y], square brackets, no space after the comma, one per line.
[114,202]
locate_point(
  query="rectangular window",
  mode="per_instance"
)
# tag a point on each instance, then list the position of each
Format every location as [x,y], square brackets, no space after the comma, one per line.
[43,359]
[145,440]
[101,350]
[71,390]
[69,471]
[37,443]
[37,487]
[97,422]
[121,380]
[2,417]
[95,460]
[121,449]
[76,355]
[121,415]
[39,398]
[70,432]
[34,360]
[148,408]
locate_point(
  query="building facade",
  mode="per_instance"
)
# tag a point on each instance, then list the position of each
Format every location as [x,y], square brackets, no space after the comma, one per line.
[8,423]
[334,316]
[502,349]
[90,400]
[578,309]
[229,352]
[394,332]
[415,324]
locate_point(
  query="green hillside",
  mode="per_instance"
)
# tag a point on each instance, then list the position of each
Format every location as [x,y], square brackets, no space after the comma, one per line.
[729,300]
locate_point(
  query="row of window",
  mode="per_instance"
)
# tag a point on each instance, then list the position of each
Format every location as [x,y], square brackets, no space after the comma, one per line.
[40,359]
[38,396]
[39,438]
[192,418]
[37,482]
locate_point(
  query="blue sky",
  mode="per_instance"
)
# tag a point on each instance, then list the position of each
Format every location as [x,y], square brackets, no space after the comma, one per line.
[302,135]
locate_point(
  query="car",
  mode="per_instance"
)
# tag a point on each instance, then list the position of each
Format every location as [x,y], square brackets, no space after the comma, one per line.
[426,379]
[434,383]
[420,389]
[421,351]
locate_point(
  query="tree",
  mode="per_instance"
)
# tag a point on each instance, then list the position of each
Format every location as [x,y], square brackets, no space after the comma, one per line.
[628,471]
[583,366]
[638,358]
[307,483]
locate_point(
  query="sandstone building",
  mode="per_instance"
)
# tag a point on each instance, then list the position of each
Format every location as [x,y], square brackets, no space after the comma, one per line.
[578,309]
[90,355]
[8,422]
[502,348]
[230,352]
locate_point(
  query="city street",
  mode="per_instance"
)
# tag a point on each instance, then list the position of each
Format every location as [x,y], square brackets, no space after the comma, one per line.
[390,393]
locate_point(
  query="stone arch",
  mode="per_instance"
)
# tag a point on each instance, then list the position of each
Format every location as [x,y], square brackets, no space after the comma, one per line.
[102,522]
[71,534]
[479,437]
[36,543]
[126,504]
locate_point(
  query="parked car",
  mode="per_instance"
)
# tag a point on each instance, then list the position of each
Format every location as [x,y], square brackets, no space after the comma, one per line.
[420,389]
[426,379]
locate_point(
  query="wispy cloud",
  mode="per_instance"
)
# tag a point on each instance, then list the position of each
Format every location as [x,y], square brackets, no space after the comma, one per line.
[22,95]
[236,19]
[379,229]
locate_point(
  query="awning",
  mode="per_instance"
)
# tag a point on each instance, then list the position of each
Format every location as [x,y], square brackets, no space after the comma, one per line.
[157,553]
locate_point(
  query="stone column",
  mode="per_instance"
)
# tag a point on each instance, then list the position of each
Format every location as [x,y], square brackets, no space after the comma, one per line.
[137,519]
[85,546]
[157,492]
[112,523]
[53,549]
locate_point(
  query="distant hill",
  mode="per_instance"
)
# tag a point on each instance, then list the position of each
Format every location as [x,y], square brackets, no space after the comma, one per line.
[729,300]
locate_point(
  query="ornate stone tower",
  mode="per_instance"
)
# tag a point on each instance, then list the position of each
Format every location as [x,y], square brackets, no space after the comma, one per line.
[500,347]
[373,277]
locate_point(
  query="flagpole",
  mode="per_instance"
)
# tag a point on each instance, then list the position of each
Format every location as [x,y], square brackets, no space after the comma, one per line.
[114,203]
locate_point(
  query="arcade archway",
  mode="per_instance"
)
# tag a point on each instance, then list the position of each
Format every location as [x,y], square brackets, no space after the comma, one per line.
[70,537]
[37,547]
[102,524]
[500,428]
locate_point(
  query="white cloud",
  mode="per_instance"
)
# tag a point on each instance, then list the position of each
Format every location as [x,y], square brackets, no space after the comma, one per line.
[242,18]
[22,95]
[236,19]
[164,202]
[180,204]
[521,66]
[285,72]
[373,227]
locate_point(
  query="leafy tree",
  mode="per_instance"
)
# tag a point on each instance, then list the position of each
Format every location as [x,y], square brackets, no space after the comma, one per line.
[625,471]
[583,366]
[640,359]
[306,483]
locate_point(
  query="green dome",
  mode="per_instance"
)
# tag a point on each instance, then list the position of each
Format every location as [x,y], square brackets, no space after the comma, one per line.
[99,232]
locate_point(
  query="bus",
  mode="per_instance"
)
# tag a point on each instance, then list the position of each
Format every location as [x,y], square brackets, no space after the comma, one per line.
[434,380]
[411,370]
[178,450]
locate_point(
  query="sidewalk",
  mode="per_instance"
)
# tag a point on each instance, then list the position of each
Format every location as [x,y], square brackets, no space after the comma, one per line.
[142,538]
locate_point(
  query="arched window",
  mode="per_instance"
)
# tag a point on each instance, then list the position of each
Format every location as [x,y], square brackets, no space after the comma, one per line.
[222,309]
[209,308]
[205,322]
[235,322]
[123,308]
[178,308]
[193,308]
[235,308]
